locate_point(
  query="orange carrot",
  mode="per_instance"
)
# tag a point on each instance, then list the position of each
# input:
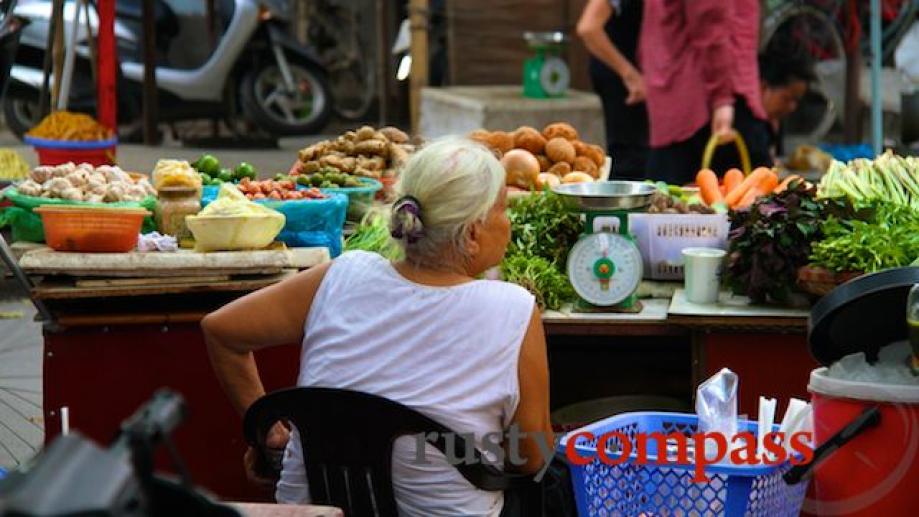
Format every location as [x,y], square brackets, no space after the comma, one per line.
[771,181]
[757,177]
[724,189]
[732,178]
[708,187]
[749,198]
[783,186]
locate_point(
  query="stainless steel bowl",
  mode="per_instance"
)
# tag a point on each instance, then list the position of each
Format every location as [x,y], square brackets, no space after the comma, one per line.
[606,195]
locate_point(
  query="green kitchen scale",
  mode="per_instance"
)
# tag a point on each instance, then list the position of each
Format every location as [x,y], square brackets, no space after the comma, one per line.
[605,266]
[545,75]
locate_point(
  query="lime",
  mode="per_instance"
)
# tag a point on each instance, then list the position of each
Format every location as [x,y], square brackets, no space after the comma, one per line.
[209,165]
[303,180]
[316,180]
[225,175]
[205,178]
[245,170]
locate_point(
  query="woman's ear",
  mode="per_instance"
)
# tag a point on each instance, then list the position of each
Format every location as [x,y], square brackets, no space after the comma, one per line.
[472,239]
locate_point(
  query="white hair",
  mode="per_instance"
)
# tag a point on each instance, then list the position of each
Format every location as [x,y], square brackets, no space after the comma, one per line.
[455,183]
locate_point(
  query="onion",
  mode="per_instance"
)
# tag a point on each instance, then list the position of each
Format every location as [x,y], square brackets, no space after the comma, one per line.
[522,168]
[577,177]
[547,179]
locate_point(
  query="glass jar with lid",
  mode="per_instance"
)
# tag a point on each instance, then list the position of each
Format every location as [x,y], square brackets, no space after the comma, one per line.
[173,205]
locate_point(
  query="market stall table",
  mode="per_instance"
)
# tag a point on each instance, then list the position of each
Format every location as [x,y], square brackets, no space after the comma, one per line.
[114,342]
[116,339]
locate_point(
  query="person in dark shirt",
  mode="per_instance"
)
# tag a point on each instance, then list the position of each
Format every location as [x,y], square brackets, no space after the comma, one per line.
[786,70]
[609,29]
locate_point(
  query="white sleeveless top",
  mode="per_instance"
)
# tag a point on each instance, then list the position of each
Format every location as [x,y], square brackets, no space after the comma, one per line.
[450,353]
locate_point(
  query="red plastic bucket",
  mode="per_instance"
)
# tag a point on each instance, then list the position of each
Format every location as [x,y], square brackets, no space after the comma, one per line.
[56,152]
[877,472]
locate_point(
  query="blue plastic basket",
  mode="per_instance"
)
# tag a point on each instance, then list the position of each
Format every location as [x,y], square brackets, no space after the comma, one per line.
[669,490]
[70,144]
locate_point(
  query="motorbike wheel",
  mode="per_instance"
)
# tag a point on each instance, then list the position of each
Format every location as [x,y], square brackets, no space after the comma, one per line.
[20,112]
[269,106]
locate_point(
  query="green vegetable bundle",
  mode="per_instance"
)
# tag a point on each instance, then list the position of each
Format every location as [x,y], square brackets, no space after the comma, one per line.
[373,235]
[889,178]
[543,230]
[887,237]
[539,276]
[770,241]
[543,226]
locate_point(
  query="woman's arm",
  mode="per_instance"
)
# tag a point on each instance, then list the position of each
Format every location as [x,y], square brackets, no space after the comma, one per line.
[274,315]
[708,23]
[591,31]
[533,410]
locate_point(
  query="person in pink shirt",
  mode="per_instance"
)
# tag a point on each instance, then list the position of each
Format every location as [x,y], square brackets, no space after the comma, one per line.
[699,63]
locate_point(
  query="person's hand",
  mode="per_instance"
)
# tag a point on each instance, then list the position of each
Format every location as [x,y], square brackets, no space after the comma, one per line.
[723,123]
[255,466]
[635,84]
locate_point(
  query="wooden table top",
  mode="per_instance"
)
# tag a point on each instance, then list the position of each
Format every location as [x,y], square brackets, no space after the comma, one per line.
[286,510]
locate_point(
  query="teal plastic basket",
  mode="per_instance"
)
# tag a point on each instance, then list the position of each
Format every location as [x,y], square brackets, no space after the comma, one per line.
[360,199]
[669,490]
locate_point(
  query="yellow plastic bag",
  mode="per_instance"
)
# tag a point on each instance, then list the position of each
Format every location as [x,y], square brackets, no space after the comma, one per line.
[175,173]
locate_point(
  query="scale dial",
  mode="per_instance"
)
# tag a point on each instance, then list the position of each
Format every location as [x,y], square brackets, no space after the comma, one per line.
[554,76]
[604,268]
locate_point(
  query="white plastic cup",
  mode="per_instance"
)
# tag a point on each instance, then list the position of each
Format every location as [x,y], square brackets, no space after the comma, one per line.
[702,274]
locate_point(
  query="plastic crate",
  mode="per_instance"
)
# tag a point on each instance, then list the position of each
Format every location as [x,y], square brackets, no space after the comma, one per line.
[661,239]
[91,229]
[669,490]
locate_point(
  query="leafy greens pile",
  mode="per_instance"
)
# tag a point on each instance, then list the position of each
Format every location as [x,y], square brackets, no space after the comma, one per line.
[373,235]
[543,229]
[887,236]
[770,241]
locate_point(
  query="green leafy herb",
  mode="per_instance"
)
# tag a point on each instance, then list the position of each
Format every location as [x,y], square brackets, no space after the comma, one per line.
[771,240]
[373,235]
[539,276]
[543,226]
[883,237]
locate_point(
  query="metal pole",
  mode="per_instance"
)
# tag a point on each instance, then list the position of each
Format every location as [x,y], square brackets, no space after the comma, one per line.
[418,20]
[149,89]
[9,258]
[57,54]
[877,129]
[69,55]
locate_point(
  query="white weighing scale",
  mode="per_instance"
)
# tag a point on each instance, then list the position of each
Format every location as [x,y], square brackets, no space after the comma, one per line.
[605,266]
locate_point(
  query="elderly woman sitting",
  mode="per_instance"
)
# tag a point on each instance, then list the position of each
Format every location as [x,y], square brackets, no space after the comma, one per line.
[424,331]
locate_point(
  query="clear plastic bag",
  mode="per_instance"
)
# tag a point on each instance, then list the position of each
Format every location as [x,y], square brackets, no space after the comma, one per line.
[716,406]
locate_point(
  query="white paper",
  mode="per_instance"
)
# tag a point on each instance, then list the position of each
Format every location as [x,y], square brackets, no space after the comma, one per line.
[765,421]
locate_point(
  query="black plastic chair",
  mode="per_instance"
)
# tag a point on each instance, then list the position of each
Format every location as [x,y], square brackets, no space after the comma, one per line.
[347,438]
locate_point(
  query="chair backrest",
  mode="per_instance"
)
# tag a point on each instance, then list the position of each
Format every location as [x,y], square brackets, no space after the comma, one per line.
[347,438]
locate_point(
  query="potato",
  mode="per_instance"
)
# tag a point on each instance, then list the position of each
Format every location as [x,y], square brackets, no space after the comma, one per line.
[560,130]
[480,136]
[544,163]
[365,133]
[372,147]
[560,150]
[501,141]
[584,164]
[560,169]
[528,138]
[394,135]
[597,154]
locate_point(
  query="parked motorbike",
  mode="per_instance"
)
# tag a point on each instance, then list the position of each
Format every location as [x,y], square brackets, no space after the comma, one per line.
[257,70]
